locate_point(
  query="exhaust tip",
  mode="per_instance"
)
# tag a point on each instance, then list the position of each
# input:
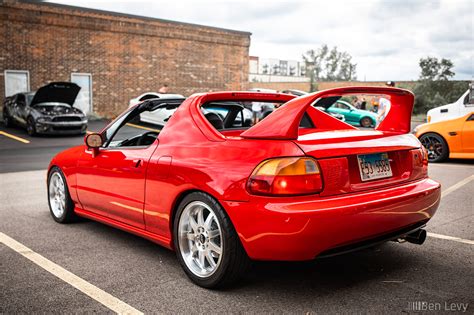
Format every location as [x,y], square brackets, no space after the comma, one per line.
[417,237]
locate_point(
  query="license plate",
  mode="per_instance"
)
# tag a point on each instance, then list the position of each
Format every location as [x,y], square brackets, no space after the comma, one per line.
[374,166]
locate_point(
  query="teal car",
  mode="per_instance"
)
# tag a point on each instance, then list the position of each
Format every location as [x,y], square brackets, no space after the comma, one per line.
[353,116]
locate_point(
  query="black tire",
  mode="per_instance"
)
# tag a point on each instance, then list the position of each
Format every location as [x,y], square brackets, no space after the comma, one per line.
[30,126]
[68,214]
[366,122]
[6,118]
[438,150]
[234,258]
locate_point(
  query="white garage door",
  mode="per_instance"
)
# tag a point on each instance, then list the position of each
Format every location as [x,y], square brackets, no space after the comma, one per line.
[16,81]
[84,99]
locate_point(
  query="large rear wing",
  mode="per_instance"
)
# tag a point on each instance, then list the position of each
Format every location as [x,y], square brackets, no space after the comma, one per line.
[284,122]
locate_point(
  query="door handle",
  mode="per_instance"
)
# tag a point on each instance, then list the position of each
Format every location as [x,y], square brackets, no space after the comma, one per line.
[137,163]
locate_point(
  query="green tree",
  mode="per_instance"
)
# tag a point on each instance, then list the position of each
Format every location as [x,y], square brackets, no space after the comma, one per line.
[433,69]
[324,64]
[434,87]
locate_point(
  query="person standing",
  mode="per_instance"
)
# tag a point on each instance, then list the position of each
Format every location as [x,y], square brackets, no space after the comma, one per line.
[356,102]
[257,109]
[163,89]
[384,105]
[363,103]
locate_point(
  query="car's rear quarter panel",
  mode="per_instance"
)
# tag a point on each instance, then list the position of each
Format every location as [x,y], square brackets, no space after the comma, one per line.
[220,169]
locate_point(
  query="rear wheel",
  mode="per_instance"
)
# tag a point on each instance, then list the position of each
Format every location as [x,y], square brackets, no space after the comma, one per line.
[60,203]
[436,146]
[366,122]
[206,243]
[30,126]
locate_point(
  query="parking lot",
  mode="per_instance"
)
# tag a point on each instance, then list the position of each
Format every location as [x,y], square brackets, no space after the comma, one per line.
[90,267]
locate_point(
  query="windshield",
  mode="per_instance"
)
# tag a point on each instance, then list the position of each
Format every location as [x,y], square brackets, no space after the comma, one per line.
[29,98]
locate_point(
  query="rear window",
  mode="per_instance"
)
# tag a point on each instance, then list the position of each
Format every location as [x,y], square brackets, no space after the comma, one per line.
[227,115]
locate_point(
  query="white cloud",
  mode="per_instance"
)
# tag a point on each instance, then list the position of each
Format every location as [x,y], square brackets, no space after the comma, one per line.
[386,38]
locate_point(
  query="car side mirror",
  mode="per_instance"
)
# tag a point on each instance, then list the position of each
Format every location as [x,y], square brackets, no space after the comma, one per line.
[94,141]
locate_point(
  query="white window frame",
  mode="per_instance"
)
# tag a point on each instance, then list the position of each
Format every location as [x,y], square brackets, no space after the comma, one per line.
[91,109]
[16,71]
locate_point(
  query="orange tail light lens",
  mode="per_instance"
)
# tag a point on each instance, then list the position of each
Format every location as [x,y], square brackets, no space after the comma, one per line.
[286,176]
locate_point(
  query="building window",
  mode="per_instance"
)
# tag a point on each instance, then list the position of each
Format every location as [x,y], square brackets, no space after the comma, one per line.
[84,98]
[16,81]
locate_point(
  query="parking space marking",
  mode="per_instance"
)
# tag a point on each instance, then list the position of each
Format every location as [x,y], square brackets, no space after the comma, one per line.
[442,165]
[142,127]
[6,134]
[457,186]
[82,285]
[450,238]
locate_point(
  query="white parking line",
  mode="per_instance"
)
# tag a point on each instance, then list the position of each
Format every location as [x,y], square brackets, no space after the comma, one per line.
[457,186]
[443,165]
[85,287]
[450,238]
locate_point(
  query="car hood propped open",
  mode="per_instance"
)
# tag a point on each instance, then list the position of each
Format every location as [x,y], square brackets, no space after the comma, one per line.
[57,92]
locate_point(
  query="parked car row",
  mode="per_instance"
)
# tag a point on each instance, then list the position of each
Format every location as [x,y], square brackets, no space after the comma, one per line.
[449,131]
[50,110]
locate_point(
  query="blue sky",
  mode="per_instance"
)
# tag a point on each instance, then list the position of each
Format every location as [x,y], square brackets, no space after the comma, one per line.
[385,37]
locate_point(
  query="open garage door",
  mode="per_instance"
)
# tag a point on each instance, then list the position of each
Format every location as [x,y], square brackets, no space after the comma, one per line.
[16,81]
[84,98]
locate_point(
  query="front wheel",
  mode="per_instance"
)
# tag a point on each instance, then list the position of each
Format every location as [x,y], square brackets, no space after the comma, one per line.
[6,118]
[30,126]
[366,122]
[206,243]
[436,146]
[60,203]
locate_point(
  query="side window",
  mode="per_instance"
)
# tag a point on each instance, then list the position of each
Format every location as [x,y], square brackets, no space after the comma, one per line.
[129,131]
[341,106]
[239,120]
[469,99]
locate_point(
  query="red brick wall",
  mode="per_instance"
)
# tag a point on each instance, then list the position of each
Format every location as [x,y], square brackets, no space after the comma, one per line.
[126,55]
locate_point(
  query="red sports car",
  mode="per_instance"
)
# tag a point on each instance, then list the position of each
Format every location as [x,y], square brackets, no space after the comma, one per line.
[298,185]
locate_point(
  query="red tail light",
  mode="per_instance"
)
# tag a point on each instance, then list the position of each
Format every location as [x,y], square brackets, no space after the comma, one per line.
[420,163]
[286,176]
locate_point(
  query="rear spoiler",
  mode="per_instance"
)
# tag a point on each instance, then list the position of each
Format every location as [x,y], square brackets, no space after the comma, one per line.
[284,122]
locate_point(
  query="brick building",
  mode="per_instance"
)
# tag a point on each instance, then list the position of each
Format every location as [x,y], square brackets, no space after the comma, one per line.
[113,56]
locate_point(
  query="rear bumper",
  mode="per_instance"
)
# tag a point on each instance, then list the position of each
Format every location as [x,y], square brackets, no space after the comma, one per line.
[302,228]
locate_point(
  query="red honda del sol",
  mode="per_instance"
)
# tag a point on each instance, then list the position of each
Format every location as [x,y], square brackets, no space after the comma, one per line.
[221,188]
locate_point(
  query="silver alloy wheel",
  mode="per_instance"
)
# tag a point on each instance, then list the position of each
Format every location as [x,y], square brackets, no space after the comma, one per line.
[200,239]
[57,195]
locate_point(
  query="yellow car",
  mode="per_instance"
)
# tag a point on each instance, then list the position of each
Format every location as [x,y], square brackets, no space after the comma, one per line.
[452,138]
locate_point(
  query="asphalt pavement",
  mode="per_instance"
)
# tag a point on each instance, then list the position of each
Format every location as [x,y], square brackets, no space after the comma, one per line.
[148,278]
